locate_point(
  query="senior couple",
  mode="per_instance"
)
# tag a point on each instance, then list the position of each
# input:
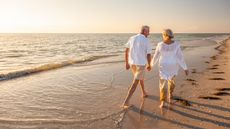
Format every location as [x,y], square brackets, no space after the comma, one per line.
[138,57]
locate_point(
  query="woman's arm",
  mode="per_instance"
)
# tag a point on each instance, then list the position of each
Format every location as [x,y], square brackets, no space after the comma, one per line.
[155,56]
[180,60]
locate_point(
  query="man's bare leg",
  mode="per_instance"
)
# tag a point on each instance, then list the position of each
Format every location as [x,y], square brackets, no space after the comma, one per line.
[130,93]
[144,94]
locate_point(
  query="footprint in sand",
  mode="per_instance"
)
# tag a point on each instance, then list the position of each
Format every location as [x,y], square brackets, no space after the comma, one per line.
[182,101]
[191,80]
[218,72]
[207,62]
[221,93]
[193,71]
[212,68]
[213,57]
[216,65]
[216,78]
[209,97]
[221,52]
[194,84]
[223,89]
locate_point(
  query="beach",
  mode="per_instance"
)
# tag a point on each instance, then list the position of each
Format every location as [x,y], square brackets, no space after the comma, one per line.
[89,95]
[76,64]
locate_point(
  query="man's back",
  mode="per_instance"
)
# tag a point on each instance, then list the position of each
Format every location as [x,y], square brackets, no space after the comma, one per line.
[139,46]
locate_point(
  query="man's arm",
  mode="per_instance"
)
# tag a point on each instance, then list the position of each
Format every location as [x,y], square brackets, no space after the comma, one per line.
[127,58]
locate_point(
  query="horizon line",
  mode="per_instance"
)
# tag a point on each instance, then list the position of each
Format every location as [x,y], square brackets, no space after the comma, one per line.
[109,32]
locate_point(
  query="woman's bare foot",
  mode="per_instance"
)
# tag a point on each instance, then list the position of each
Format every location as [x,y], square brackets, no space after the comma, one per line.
[162,104]
[170,99]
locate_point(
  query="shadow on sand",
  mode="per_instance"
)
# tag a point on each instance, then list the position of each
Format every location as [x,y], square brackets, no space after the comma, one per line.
[154,116]
[185,114]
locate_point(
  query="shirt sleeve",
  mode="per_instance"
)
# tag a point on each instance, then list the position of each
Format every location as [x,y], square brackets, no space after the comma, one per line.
[180,58]
[155,56]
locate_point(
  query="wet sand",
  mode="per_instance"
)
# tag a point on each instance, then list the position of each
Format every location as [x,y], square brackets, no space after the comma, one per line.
[201,101]
[90,96]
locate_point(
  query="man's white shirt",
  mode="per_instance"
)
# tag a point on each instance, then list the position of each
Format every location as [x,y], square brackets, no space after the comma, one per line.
[139,46]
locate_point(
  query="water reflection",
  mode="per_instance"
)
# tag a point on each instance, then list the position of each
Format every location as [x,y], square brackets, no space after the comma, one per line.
[141,111]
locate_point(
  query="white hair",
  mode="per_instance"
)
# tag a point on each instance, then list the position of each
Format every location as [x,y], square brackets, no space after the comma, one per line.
[143,28]
[168,33]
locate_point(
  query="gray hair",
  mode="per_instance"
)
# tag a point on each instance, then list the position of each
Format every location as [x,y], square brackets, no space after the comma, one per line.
[168,33]
[143,28]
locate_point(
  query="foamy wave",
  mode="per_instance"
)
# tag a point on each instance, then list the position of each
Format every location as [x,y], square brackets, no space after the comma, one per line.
[219,39]
[222,41]
[46,67]
[116,116]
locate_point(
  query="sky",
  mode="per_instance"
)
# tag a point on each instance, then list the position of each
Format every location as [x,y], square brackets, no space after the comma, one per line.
[114,16]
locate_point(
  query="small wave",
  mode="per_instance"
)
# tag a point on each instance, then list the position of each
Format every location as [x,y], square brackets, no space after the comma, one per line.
[118,119]
[222,42]
[14,56]
[220,38]
[47,67]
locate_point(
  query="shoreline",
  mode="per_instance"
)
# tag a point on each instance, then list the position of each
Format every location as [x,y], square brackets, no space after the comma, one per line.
[28,69]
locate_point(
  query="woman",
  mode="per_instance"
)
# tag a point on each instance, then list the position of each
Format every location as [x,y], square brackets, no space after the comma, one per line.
[170,56]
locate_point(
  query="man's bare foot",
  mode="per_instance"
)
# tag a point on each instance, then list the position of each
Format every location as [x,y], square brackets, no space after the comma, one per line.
[125,106]
[161,105]
[145,95]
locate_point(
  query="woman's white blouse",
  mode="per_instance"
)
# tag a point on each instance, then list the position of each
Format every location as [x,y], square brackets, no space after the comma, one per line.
[170,57]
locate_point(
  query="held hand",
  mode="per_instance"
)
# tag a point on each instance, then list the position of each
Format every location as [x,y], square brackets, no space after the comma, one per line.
[149,68]
[186,72]
[127,66]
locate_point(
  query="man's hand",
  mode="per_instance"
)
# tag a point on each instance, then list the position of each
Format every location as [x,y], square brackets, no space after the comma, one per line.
[186,72]
[149,68]
[127,66]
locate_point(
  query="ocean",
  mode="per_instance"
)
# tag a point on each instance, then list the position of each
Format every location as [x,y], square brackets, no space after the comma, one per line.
[24,54]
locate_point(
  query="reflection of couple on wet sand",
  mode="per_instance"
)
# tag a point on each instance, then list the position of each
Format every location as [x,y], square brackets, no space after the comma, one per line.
[168,54]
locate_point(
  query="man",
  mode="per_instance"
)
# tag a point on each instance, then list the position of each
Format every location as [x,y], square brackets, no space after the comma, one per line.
[137,56]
